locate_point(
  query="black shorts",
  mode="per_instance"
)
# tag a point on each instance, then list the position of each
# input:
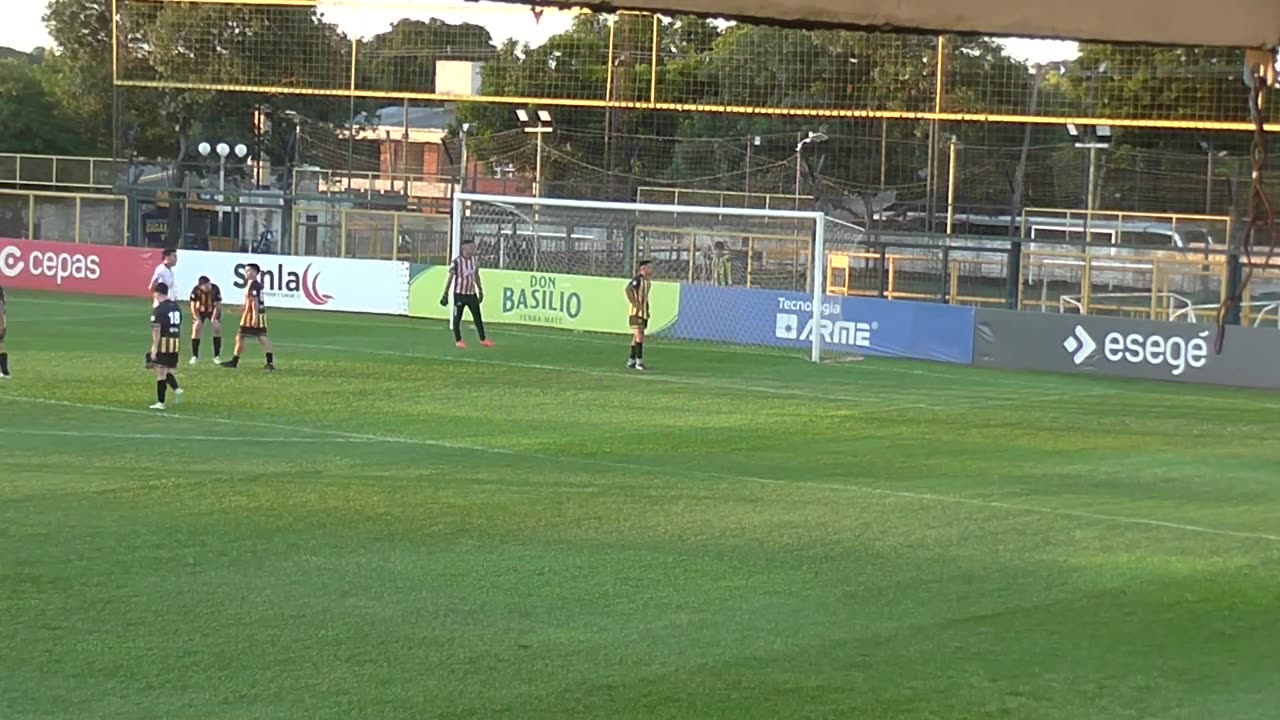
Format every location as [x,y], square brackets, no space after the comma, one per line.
[638,323]
[207,316]
[3,333]
[253,331]
[165,360]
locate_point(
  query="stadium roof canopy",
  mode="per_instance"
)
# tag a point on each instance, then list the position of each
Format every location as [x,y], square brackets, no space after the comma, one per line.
[1225,23]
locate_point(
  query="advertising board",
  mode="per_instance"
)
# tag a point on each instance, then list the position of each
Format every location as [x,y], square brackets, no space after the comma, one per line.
[303,283]
[76,268]
[571,302]
[1124,347]
[870,326]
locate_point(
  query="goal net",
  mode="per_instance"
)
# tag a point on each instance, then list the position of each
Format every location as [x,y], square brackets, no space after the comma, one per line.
[721,276]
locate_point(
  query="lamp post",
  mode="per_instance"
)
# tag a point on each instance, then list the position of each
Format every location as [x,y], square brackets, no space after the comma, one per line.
[1213,155]
[540,127]
[1092,138]
[223,150]
[752,142]
[813,139]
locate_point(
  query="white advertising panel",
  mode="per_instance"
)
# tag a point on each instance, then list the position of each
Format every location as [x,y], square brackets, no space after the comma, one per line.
[303,283]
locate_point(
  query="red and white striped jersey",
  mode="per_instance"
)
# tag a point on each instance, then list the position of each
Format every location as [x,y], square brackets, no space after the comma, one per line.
[464,274]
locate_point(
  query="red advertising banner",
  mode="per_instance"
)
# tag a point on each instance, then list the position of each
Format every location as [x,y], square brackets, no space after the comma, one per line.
[74,268]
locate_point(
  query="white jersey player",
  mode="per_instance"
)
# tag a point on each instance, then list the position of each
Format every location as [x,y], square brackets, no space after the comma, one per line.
[164,274]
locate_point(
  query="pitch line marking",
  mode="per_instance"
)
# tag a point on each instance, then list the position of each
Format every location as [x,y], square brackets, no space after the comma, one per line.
[969,400]
[904,494]
[163,436]
[408,323]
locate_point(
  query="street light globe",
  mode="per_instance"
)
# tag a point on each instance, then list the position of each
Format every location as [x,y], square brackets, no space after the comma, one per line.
[223,150]
[204,148]
[241,151]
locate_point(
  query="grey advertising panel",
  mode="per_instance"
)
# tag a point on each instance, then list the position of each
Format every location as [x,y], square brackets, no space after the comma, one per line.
[1121,347]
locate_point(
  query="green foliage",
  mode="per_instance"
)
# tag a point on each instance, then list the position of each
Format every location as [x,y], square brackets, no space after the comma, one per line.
[31,120]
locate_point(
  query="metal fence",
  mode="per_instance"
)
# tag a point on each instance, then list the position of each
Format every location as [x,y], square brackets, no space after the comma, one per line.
[64,217]
[327,231]
[88,173]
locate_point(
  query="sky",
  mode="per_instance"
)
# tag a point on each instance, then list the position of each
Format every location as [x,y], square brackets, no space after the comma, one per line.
[23,26]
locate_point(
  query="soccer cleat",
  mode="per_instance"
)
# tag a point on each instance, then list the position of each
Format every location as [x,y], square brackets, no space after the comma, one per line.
[462,345]
[270,367]
[158,406]
[4,376]
[631,364]
[230,364]
[177,395]
[487,343]
[217,361]
[639,365]
[194,361]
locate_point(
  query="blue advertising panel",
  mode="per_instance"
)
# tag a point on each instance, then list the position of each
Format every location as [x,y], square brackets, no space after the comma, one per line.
[870,326]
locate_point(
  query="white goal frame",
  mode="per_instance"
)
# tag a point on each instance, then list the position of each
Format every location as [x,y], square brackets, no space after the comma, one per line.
[818,258]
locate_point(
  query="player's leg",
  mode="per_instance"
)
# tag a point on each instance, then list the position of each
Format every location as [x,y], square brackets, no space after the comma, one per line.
[4,356]
[473,304]
[216,322]
[162,385]
[234,362]
[459,304]
[637,342]
[196,324]
[266,348]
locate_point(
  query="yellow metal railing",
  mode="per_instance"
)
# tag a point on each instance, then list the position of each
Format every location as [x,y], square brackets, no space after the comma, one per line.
[1141,286]
[1127,228]
[722,198]
[771,260]
[64,217]
[370,234]
[90,173]
[420,186]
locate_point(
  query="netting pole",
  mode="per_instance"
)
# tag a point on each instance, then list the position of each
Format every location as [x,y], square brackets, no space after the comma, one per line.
[819,283]
[455,242]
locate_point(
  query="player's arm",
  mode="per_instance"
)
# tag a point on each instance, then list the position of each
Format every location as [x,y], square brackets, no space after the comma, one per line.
[479,286]
[633,293]
[155,332]
[217,302]
[448,283]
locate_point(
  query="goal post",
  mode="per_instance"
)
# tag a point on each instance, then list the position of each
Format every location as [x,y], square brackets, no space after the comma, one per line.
[726,276]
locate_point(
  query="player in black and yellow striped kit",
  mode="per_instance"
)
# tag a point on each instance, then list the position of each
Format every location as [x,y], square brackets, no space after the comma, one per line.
[4,328]
[166,344]
[206,307]
[253,319]
[638,296]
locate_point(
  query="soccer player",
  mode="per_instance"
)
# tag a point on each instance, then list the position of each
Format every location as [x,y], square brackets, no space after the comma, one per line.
[468,293]
[4,326]
[253,319]
[206,307]
[721,269]
[638,296]
[166,343]
[164,273]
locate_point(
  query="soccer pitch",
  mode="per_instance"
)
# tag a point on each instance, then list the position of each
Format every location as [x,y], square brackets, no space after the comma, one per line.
[389,527]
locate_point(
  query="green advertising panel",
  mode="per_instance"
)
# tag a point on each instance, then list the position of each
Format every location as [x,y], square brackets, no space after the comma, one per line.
[572,302]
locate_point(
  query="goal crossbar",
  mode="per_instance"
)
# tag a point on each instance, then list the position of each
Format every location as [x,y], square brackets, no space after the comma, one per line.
[817,257]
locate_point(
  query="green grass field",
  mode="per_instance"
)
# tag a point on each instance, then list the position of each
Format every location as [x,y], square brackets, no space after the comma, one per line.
[392,528]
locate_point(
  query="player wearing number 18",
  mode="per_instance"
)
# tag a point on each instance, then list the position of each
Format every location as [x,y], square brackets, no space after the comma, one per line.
[638,296]
[166,343]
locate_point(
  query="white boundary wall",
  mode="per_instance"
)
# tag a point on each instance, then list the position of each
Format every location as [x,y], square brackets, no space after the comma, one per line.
[304,283]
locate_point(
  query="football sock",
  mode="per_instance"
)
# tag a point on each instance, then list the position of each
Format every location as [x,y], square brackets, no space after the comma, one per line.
[633,351]
[217,346]
[271,358]
[171,380]
[195,347]
[4,363]
[160,390]
[639,351]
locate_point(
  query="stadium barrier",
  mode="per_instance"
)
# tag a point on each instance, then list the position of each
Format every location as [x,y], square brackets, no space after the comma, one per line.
[306,283]
[571,302]
[889,328]
[1123,347]
[88,269]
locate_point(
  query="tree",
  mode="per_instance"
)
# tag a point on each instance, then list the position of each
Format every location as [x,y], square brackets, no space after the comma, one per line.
[30,120]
